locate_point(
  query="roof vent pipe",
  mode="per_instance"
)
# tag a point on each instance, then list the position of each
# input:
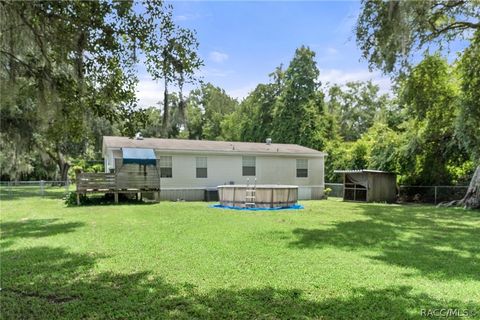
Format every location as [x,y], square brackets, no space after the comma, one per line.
[138,136]
[269,141]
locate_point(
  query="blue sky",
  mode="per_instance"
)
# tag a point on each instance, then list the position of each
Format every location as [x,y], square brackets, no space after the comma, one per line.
[242,42]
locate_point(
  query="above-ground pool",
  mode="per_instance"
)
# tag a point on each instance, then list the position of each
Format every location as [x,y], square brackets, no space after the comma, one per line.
[265,195]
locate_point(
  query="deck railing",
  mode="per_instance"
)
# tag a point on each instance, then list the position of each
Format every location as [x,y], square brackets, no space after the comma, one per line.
[88,182]
[97,181]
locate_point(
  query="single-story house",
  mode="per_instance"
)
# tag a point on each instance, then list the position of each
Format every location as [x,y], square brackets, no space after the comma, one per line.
[369,185]
[189,167]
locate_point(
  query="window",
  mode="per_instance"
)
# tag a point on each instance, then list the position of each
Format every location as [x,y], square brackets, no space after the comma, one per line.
[302,168]
[248,166]
[165,166]
[201,167]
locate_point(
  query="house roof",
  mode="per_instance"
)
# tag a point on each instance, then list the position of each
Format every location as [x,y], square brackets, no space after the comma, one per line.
[363,171]
[208,146]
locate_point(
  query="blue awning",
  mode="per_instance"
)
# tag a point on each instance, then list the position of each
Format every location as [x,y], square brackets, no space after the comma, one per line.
[139,156]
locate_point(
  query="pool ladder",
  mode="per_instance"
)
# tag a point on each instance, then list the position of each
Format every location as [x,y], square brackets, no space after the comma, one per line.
[250,195]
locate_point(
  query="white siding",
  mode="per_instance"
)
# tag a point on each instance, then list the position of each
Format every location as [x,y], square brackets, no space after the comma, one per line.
[225,168]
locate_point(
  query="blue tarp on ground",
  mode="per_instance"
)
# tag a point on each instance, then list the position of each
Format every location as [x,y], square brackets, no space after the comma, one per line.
[294,207]
[139,156]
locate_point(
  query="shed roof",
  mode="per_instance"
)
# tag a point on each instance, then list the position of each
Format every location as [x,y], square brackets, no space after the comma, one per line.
[206,145]
[363,171]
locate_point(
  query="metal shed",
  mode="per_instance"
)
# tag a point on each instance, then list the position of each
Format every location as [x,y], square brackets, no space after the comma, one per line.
[369,185]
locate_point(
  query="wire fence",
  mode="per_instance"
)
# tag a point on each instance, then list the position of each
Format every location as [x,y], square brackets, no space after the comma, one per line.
[337,189]
[57,189]
[46,189]
[418,194]
[431,194]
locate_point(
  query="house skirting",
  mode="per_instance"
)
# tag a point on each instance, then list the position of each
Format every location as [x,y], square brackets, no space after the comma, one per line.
[198,194]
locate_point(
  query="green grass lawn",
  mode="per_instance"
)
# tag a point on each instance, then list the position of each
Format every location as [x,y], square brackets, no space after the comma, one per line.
[332,260]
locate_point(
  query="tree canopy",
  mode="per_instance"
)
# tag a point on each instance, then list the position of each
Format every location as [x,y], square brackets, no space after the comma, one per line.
[66,63]
[390,32]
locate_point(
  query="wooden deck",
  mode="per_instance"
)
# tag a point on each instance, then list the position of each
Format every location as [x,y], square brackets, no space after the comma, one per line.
[116,183]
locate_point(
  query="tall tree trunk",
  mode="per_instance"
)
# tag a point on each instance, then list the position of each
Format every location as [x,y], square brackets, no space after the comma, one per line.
[181,103]
[166,112]
[471,200]
[64,167]
[62,163]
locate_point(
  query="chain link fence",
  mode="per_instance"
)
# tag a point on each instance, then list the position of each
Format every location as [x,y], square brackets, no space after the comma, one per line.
[337,189]
[57,189]
[419,194]
[431,194]
[22,189]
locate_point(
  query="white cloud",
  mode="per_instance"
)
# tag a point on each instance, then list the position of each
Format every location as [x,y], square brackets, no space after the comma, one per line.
[186,17]
[214,72]
[190,16]
[340,77]
[218,57]
[183,17]
[332,51]
[242,92]
[149,92]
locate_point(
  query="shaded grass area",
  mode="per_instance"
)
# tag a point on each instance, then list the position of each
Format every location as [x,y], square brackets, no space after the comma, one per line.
[333,260]
[432,243]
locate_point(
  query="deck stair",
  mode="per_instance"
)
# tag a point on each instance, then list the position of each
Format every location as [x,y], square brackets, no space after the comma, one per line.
[250,195]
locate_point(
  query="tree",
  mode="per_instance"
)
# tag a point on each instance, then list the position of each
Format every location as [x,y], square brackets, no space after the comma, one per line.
[194,116]
[431,99]
[257,109]
[300,105]
[467,126]
[253,119]
[216,105]
[382,143]
[75,60]
[354,107]
[172,57]
[471,199]
[390,32]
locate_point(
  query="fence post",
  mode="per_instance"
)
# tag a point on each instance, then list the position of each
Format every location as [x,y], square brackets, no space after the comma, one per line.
[42,188]
[435,201]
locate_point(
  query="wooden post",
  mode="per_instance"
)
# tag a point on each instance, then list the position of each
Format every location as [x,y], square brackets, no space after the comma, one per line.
[78,199]
[42,187]
[288,195]
[116,197]
[271,200]
[435,200]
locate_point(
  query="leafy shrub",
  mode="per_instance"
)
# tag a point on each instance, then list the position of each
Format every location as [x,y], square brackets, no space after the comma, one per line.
[327,191]
[84,166]
[70,199]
